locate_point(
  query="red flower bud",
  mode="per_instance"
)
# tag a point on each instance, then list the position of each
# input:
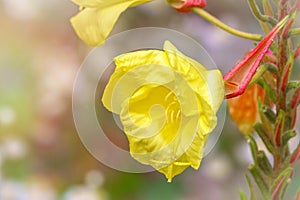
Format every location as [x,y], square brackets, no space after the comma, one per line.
[238,78]
[185,5]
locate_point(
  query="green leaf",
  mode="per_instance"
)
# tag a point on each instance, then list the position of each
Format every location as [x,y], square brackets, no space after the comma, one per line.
[267,112]
[287,136]
[295,99]
[260,181]
[285,74]
[260,71]
[265,136]
[279,128]
[253,148]
[293,85]
[293,103]
[270,93]
[242,195]
[264,163]
[281,183]
[267,117]
[295,155]
[272,68]
[250,187]
[260,17]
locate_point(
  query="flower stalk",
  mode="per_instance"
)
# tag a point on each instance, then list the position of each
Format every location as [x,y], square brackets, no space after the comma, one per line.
[295,31]
[204,14]
[277,110]
[259,16]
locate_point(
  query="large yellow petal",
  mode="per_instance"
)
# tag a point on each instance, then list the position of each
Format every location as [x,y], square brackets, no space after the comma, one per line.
[171,49]
[203,82]
[215,84]
[167,104]
[207,83]
[88,3]
[192,157]
[95,22]
[159,137]
[106,3]
[124,64]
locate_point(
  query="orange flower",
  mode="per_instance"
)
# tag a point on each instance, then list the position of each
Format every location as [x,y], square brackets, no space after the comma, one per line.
[244,108]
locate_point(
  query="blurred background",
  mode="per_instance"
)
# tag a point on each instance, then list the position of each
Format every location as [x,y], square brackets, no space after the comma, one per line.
[41,156]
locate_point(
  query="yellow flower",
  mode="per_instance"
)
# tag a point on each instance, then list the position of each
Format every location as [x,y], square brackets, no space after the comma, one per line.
[97,18]
[167,104]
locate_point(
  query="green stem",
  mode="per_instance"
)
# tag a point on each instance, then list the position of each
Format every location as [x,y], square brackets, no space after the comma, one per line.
[295,31]
[259,16]
[224,26]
